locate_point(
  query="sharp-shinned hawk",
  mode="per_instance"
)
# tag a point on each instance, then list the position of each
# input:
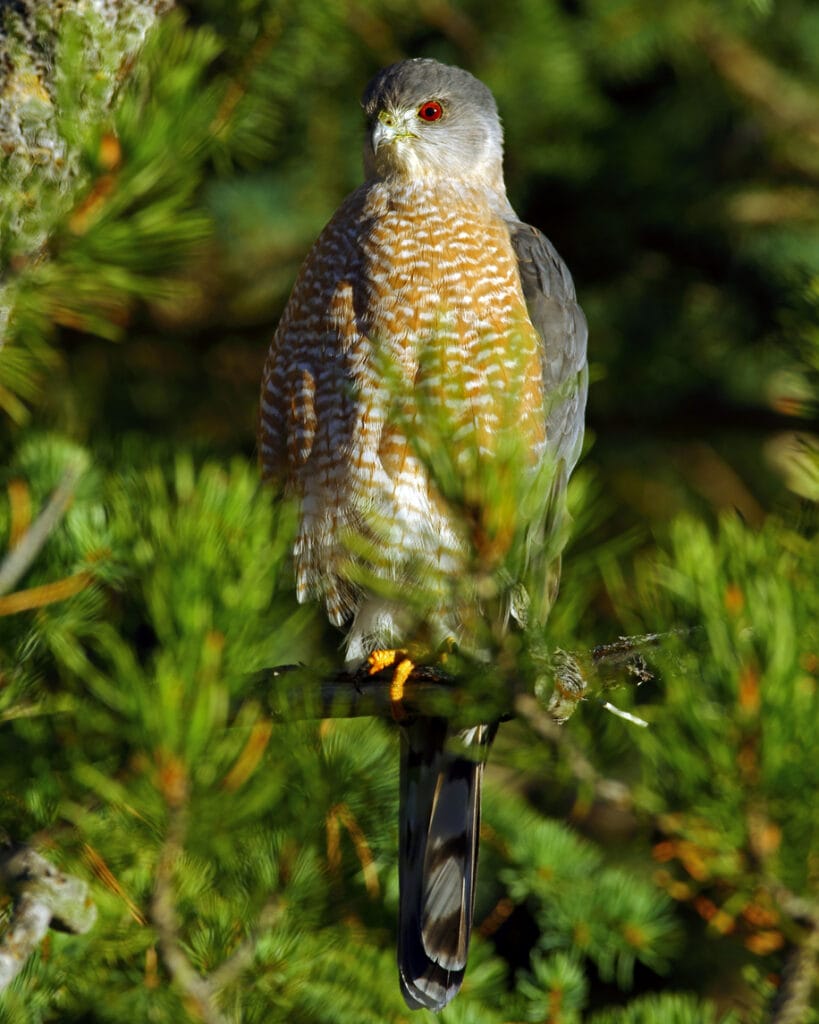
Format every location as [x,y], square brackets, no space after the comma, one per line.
[425,269]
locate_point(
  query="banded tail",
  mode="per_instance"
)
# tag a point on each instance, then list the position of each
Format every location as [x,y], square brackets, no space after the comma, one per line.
[438,857]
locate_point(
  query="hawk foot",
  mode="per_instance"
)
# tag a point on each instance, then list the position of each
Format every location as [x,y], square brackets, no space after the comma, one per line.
[404,665]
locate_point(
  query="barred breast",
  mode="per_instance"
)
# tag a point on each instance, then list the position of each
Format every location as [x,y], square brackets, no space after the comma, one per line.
[412,290]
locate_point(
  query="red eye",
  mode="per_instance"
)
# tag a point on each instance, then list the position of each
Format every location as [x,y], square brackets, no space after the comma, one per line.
[430,111]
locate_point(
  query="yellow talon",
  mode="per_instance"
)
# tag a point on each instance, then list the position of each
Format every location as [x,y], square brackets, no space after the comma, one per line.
[379,660]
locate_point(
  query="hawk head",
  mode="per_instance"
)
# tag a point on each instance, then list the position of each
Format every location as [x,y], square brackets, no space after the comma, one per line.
[431,120]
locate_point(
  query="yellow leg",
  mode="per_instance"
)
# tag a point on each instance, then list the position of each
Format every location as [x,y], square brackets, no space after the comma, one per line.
[380,660]
[403,670]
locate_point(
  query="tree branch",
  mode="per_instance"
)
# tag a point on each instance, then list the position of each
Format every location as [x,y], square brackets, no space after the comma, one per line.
[793,1000]
[199,991]
[44,898]
[563,685]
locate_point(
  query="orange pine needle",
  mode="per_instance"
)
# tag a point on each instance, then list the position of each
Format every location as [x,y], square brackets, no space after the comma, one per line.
[340,814]
[20,511]
[109,880]
[48,593]
[251,755]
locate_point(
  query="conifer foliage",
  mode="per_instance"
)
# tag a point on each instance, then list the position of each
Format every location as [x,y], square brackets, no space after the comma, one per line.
[163,168]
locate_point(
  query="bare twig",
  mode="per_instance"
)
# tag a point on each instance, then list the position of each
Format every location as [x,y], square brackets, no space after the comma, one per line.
[540,721]
[793,1001]
[800,908]
[18,560]
[242,957]
[198,991]
[799,977]
[625,715]
[44,898]
[626,653]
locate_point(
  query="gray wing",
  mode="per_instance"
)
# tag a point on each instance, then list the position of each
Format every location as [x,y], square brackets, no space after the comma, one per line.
[552,305]
[556,316]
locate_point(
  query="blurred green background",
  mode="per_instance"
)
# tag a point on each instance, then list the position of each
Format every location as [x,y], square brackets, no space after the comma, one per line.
[165,168]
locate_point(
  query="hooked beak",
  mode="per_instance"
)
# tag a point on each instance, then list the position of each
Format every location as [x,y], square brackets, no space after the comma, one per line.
[390,128]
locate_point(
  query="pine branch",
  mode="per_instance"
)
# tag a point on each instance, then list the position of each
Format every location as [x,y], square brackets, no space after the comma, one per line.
[44,898]
[362,692]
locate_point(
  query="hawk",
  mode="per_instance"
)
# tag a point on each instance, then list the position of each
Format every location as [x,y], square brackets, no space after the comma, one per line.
[424,274]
